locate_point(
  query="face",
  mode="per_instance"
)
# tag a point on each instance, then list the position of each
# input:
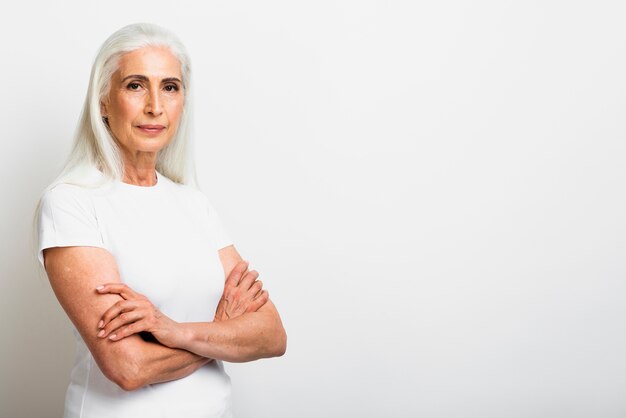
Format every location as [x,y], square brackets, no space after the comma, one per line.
[145,100]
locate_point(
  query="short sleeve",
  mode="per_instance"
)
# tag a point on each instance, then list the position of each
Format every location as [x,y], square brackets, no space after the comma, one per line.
[67,218]
[222,237]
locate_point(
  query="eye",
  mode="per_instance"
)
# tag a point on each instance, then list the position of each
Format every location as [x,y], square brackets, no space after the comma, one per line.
[133,86]
[171,88]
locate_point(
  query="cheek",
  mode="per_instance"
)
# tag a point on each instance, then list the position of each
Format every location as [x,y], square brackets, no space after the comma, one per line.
[175,110]
[127,107]
[130,107]
[123,115]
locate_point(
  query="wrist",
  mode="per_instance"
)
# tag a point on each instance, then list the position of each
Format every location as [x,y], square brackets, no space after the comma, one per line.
[181,335]
[195,338]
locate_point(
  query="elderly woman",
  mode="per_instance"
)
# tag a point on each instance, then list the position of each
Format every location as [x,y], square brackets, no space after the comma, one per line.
[136,254]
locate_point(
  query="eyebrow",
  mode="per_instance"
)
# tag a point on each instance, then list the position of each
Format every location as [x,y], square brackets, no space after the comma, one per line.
[144,78]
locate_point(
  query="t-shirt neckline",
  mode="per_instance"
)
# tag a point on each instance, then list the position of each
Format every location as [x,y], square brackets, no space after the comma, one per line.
[157,186]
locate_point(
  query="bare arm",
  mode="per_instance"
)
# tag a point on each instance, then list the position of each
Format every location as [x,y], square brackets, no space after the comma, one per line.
[256,333]
[74,274]
[248,337]
[251,336]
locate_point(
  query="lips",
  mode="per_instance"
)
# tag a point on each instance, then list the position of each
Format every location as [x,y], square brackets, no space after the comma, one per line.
[151,129]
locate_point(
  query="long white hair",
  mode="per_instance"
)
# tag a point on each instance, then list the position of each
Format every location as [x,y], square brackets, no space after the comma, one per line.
[94,147]
[93,144]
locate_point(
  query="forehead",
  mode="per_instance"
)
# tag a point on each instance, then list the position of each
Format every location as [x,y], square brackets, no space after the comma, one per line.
[151,61]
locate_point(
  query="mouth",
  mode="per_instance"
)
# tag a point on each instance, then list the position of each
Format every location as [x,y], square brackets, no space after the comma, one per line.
[151,129]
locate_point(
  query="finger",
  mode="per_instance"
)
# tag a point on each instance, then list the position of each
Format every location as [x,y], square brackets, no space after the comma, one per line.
[236,273]
[248,279]
[128,330]
[264,294]
[123,319]
[238,296]
[116,309]
[259,301]
[121,289]
[255,289]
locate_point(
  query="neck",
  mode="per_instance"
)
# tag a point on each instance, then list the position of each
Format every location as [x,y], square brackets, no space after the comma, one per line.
[140,178]
[140,169]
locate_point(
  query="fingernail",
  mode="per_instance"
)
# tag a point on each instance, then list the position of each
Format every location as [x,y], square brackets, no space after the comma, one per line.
[112,336]
[101,333]
[100,287]
[100,324]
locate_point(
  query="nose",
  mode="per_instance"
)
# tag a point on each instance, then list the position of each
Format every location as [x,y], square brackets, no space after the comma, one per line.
[153,103]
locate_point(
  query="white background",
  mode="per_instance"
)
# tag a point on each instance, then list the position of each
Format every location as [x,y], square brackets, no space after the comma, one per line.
[433,193]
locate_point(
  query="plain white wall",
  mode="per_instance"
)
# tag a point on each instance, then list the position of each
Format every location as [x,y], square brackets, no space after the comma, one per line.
[433,193]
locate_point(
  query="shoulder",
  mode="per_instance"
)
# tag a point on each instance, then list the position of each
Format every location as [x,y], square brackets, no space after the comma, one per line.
[66,204]
[66,217]
[66,190]
[64,194]
[81,183]
[79,187]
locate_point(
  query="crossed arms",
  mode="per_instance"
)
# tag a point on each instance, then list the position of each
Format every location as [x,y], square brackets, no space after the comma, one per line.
[247,325]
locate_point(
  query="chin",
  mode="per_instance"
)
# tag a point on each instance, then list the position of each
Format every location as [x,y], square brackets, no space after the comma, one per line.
[150,145]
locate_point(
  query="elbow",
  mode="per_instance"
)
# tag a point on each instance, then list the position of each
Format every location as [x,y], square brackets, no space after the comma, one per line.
[128,384]
[273,345]
[127,381]
[280,345]
[125,373]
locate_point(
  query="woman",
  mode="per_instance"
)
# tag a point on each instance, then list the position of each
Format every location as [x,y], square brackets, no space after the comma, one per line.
[138,257]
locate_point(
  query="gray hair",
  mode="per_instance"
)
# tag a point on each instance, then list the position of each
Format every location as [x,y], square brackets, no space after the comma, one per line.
[94,147]
[93,143]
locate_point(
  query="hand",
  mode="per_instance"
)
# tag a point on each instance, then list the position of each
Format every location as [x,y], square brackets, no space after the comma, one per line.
[242,293]
[134,314]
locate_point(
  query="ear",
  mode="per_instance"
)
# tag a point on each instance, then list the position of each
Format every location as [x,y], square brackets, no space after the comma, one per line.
[103,109]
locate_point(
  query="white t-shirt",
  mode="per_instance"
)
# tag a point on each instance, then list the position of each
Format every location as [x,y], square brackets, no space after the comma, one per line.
[165,240]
